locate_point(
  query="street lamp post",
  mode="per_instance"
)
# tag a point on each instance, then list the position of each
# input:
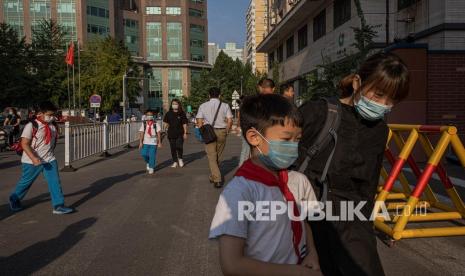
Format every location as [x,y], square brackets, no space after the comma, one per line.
[242,78]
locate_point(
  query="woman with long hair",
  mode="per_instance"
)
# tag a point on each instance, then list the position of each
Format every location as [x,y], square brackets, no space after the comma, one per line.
[175,122]
[348,247]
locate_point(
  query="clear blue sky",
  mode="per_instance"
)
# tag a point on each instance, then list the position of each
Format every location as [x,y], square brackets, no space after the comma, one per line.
[226,21]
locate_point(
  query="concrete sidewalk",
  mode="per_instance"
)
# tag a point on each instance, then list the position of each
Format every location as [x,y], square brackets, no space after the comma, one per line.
[129,223]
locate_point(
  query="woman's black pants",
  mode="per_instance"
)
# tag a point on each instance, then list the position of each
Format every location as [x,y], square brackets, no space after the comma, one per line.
[177,147]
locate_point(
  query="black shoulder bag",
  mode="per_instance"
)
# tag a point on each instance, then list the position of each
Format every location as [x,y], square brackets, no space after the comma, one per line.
[207,131]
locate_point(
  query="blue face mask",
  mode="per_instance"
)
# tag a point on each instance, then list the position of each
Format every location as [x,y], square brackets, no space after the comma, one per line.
[371,110]
[281,154]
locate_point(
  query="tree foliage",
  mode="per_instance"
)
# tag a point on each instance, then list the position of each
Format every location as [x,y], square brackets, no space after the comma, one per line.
[323,81]
[227,75]
[103,64]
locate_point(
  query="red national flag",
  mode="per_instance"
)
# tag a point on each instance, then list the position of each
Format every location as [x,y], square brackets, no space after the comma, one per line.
[70,55]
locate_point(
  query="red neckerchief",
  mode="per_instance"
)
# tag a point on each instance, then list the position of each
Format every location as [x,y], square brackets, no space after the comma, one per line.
[256,173]
[149,127]
[48,131]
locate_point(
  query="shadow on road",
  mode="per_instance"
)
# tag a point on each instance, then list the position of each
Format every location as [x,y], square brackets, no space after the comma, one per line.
[100,186]
[10,164]
[189,158]
[37,256]
[229,165]
[91,191]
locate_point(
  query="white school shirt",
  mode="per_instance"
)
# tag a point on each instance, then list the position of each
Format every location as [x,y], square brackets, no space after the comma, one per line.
[43,151]
[150,140]
[266,241]
[208,110]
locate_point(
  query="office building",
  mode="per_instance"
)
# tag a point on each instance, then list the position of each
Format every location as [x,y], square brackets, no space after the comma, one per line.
[257,26]
[428,35]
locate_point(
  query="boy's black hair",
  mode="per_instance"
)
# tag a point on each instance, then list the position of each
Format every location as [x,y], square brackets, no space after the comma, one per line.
[266,82]
[46,106]
[214,92]
[151,111]
[285,87]
[264,111]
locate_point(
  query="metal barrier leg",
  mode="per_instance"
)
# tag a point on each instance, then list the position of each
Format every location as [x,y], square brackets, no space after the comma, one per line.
[106,138]
[67,167]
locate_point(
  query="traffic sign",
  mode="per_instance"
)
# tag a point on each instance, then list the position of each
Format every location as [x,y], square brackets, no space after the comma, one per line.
[235,95]
[235,105]
[95,101]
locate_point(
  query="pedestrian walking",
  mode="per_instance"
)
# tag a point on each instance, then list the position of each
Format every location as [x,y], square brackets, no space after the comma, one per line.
[12,125]
[249,245]
[150,140]
[38,142]
[349,247]
[287,91]
[218,116]
[266,86]
[175,122]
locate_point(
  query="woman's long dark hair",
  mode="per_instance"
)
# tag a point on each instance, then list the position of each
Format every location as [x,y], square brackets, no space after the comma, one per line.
[180,109]
[383,71]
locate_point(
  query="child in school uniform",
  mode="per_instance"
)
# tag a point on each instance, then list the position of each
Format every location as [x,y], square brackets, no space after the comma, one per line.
[38,141]
[150,140]
[248,245]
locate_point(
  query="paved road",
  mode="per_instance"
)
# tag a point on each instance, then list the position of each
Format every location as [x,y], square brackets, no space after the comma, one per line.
[129,223]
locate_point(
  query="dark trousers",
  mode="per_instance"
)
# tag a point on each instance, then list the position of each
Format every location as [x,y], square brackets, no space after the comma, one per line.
[346,248]
[177,147]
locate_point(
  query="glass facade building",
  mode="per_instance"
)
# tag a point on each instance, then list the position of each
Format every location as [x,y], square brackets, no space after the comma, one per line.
[66,17]
[174,40]
[13,14]
[39,10]
[154,41]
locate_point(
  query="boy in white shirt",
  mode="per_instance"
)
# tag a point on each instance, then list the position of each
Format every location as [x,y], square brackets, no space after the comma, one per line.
[280,246]
[38,142]
[150,139]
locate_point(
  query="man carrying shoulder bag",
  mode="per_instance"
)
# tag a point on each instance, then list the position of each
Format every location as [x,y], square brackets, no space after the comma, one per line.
[214,119]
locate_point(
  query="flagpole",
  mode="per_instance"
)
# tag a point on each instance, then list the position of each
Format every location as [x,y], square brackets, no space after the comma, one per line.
[79,72]
[69,94]
[74,92]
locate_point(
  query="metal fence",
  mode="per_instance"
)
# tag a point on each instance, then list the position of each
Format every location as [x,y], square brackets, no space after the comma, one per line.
[86,140]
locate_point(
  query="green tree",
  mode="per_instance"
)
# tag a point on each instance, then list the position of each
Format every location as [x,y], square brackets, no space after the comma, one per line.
[324,80]
[48,63]
[103,64]
[15,81]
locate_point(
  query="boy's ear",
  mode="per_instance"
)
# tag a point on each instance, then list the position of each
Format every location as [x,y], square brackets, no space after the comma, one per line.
[252,137]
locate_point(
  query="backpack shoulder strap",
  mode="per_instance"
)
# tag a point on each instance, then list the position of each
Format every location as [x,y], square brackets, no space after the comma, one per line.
[326,135]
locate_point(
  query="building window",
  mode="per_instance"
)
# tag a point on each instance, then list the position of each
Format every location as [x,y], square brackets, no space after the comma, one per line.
[280,53]
[13,15]
[98,12]
[302,37]
[39,10]
[153,10]
[154,41]
[270,60]
[195,13]
[66,17]
[290,47]
[173,10]
[197,1]
[132,24]
[97,29]
[341,12]
[402,4]
[174,40]
[155,94]
[196,57]
[174,83]
[319,25]
[197,28]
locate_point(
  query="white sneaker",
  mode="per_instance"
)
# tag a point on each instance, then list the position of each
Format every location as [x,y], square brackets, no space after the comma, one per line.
[151,171]
[181,163]
[175,165]
[148,167]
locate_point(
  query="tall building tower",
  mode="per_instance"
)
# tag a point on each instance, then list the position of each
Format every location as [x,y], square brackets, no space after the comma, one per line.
[174,48]
[257,25]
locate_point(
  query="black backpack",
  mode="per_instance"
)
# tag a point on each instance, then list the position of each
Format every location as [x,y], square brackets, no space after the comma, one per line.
[327,134]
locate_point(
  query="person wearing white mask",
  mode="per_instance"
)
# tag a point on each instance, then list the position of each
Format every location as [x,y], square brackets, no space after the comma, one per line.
[150,140]
[37,144]
[175,122]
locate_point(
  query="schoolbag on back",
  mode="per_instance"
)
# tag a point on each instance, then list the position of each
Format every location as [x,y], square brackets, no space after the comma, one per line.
[327,134]
[18,148]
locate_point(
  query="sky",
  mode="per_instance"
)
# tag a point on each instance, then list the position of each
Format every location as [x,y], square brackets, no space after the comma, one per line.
[226,21]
